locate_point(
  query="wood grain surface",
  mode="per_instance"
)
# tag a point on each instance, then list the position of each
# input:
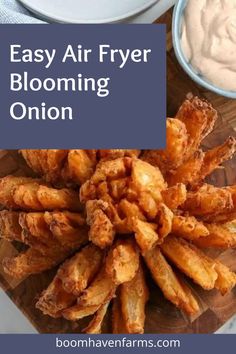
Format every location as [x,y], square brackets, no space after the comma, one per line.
[162,316]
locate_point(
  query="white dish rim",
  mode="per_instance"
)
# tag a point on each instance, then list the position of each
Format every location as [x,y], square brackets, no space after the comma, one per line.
[43,15]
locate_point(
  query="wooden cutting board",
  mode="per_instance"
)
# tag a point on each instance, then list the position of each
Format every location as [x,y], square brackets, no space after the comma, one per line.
[162,316]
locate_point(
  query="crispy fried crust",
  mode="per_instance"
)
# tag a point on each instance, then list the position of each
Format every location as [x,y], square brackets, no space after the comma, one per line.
[71,279]
[95,326]
[174,290]
[191,261]
[226,280]
[165,218]
[199,118]
[28,194]
[46,229]
[221,218]
[68,228]
[134,296]
[147,178]
[60,199]
[130,209]
[189,227]
[148,205]
[70,166]
[122,261]
[148,234]
[47,163]
[78,312]
[174,196]
[55,299]
[9,226]
[62,166]
[193,122]
[118,188]
[232,190]
[226,215]
[118,322]
[25,196]
[176,144]
[127,211]
[32,262]
[77,272]
[215,157]
[219,237]
[79,166]
[111,169]
[101,231]
[117,153]
[100,291]
[35,230]
[209,201]
[145,234]
[194,170]
[7,186]
[188,172]
[155,199]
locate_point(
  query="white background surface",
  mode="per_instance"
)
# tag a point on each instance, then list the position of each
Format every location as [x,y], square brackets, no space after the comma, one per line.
[11,319]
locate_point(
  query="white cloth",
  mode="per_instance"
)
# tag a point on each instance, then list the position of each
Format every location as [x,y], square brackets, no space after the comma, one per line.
[11,11]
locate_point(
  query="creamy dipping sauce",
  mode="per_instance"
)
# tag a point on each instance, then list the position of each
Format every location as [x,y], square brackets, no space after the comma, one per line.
[208,40]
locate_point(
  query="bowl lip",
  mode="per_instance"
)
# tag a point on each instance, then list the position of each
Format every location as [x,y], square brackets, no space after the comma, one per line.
[177,16]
